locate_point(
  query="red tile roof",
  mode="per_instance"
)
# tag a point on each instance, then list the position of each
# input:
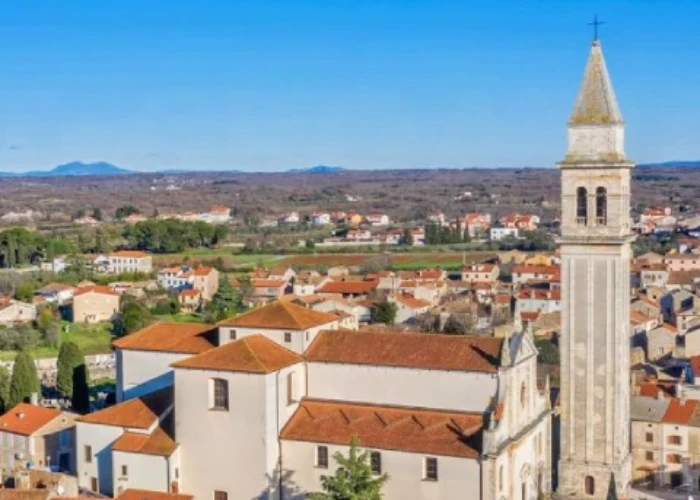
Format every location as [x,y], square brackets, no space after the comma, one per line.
[203,271]
[679,411]
[411,430]
[695,365]
[407,350]
[26,419]
[133,494]
[105,290]
[542,270]
[267,283]
[529,315]
[410,301]
[349,287]
[189,338]
[253,354]
[281,315]
[137,413]
[129,253]
[157,443]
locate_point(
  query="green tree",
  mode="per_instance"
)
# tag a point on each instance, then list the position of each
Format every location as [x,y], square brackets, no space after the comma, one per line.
[5,378]
[97,214]
[132,317]
[81,390]
[548,352]
[310,245]
[125,211]
[353,478]
[25,380]
[406,238]
[458,325]
[226,301]
[385,313]
[25,291]
[49,326]
[69,357]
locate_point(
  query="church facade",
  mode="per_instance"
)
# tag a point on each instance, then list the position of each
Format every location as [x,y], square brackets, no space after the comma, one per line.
[595,250]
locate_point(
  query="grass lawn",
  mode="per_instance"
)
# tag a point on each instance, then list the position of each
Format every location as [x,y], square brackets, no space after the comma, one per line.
[92,339]
[181,317]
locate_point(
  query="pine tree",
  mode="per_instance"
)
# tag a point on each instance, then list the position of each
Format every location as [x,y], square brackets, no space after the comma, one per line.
[69,357]
[353,479]
[386,313]
[81,389]
[25,380]
[226,300]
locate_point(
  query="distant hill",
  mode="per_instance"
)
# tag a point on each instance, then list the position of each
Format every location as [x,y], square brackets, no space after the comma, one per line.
[318,169]
[672,164]
[73,168]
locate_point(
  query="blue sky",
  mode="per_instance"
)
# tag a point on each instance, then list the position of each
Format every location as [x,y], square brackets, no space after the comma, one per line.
[271,85]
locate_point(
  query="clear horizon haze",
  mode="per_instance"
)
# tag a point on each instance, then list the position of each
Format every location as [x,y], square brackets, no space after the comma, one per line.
[272,85]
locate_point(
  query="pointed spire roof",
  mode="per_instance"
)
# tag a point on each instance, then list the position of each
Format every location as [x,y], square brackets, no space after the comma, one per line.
[596,103]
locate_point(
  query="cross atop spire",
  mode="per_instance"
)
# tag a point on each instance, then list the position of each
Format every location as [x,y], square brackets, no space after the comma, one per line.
[595,25]
[596,103]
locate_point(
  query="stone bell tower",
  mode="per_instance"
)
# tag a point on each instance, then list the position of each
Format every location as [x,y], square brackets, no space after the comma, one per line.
[595,250]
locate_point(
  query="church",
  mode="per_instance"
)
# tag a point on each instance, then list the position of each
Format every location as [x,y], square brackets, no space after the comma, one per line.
[257,406]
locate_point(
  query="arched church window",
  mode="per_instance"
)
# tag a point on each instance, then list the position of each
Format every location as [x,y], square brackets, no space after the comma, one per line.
[601,206]
[590,485]
[582,206]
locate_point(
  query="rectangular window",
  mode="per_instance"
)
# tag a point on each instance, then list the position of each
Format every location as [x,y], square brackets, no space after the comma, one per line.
[93,484]
[220,394]
[88,454]
[650,456]
[125,471]
[287,337]
[232,335]
[376,462]
[673,458]
[675,440]
[650,437]
[431,469]
[220,495]
[292,396]
[322,457]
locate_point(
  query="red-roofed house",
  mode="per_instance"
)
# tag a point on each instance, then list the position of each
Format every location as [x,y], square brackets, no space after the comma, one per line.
[526,222]
[408,307]
[94,304]
[480,272]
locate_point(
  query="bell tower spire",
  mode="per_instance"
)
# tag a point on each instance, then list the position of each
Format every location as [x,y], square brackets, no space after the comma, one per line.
[595,249]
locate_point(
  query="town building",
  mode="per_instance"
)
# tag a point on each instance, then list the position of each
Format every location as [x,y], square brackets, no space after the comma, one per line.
[93,304]
[130,261]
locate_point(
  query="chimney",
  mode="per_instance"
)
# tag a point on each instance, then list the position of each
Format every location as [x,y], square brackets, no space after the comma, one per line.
[660,395]
[34,399]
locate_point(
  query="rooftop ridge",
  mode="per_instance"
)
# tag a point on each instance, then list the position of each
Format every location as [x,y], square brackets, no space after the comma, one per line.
[596,103]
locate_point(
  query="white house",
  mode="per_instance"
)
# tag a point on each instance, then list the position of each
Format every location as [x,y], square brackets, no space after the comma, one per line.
[130,261]
[408,307]
[320,218]
[15,311]
[498,233]
[377,220]
[176,278]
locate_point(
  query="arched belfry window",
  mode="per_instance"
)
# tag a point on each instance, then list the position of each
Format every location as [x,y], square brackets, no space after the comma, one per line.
[582,206]
[590,485]
[601,206]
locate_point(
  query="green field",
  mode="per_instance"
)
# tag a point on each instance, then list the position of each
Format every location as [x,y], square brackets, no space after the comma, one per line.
[92,339]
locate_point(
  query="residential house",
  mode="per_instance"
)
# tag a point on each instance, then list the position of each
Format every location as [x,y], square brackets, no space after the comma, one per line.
[189,300]
[523,274]
[289,218]
[13,312]
[130,261]
[653,275]
[56,293]
[682,262]
[524,222]
[498,233]
[662,342]
[360,310]
[94,304]
[30,433]
[176,278]
[474,223]
[320,218]
[377,219]
[217,214]
[408,307]
[285,273]
[349,288]
[358,235]
[686,280]
[265,290]
[480,272]
[205,280]
[532,302]
[437,217]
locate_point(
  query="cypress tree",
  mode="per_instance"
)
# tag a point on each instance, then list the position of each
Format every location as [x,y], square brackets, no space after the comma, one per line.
[25,380]
[4,389]
[69,357]
[81,390]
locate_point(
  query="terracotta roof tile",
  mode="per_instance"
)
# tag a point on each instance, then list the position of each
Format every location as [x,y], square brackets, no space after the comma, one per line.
[387,428]
[189,293]
[267,283]
[353,287]
[282,315]
[410,301]
[409,350]
[253,354]
[157,443]
[134,494]
[679,411]
[26,419]
[95,289]
[129,253]
[12,494]
[695,365]
[190,338]
[137,413]
[202,271]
